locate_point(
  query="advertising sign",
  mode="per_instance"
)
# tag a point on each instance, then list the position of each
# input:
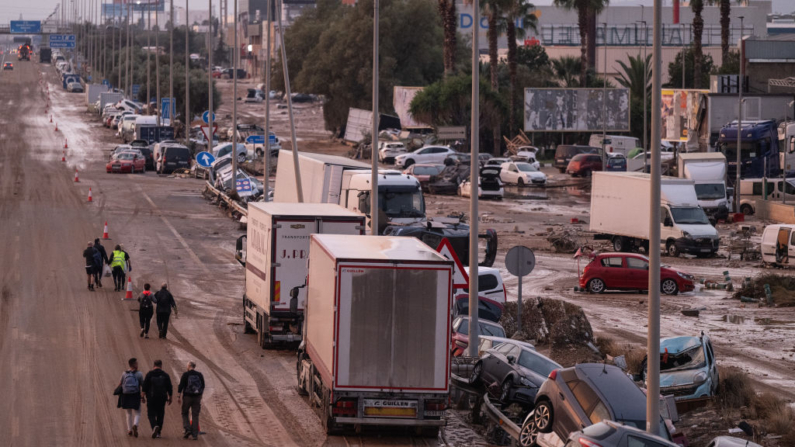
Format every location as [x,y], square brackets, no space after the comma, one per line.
[575,110]
[683,113]
[401,101]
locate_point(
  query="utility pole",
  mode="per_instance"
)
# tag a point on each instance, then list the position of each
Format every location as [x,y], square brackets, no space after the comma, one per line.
[148,53]
[172,101]
[267,169]
[684,52]
[474,327]
[234,108]
[210,80]
[604,101]
[187,73]
[739,119]
[376,115]
[157,61]
[128,86]
[299,187]
[653,334]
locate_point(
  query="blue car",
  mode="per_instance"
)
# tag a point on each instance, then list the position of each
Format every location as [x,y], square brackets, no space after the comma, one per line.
[688,369]
[616,163]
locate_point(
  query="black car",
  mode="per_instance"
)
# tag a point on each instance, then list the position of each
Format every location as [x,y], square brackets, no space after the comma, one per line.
[565,152]
[516,369]
[432,233]
[574,398]
[173,158]
[148,156]
[229,73]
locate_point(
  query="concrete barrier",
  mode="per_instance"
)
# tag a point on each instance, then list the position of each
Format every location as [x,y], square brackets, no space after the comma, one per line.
[775,211]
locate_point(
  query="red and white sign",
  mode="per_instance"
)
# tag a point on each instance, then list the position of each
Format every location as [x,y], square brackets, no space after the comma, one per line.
[460,276]
[206,129]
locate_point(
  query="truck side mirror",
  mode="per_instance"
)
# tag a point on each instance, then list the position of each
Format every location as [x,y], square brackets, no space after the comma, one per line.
[511,360]
[364,202]
[294,298]
[668,222]
[240,254]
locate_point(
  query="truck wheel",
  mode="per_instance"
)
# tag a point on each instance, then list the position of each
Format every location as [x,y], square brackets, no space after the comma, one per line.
[408,163]
[671,249]
[596,285]
[619,244]
[520,182]
[747,209]
[669,287]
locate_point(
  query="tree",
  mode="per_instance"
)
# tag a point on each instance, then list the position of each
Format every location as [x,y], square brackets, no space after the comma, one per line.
[532,57]
[675,70]
[635,75]
[516,10]
[493,10]
[221,52]
[566,70]
[731,64]
[583,7]
[698,30]
[447,12]
[725,23]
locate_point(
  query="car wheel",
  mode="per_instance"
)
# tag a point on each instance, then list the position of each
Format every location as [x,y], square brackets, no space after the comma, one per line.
[260,153]
[618,244]
[408,163]
[241,158]
[669,287]
[747,209]
[506,390]
[596,285]
[474,378]
[520,182]
[543,417]
[672,250]
[529,434]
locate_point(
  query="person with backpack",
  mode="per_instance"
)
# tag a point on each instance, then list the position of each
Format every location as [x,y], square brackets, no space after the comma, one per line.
[130,396]
[165,302]
[88,254]
[189,394]
[158,389]
[100,259]
[146,309]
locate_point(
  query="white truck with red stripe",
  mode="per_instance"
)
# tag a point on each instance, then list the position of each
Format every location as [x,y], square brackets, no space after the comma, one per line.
[276,251]
[377,332]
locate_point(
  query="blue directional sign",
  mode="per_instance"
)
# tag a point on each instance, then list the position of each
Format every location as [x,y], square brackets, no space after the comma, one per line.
[205,159]
[135,89]
[244,188]
[206,116]
[260,139]
[167,112]
[25,27]
[63,41]
[106,83]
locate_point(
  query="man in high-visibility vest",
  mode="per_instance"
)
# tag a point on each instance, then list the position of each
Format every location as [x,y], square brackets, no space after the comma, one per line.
[117,263]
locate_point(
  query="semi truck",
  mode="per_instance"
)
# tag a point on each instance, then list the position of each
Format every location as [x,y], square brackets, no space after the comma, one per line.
[23,53]
[620,213]
[45,55]
[377,332]
[274,252]
[759,153]
[708,171]
[786,143]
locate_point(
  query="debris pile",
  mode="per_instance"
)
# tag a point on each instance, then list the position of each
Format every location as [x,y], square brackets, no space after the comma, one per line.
[566,239]
[548,321]
[770,288]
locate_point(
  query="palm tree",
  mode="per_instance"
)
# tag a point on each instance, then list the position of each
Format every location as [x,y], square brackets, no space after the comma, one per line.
[517,10]
[633,75]
[567,70]
[583,7]
[493,10]
[698,30]
[725,23]
[447,13]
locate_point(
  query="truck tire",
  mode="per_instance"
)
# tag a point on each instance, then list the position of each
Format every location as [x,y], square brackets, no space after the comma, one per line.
[619,244]
[747,209]
[671,249]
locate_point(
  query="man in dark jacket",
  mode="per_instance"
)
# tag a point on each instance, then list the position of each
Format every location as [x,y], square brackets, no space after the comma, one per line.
[189,394]
[158,389]
[88,254]
[145,310]
[103,255]
[165,301]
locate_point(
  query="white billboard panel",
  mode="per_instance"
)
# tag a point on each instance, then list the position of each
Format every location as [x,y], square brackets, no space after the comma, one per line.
[401,101]
[575,110]
[360,123]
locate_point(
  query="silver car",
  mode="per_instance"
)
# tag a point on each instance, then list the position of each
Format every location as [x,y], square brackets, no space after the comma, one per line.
[613,434]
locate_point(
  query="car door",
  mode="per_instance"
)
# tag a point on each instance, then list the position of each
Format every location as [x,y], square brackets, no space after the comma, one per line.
[438,154]
[713,365]
[495,362]
[512,174]
[667,226]
[637,273]
[612,271]
[783,245]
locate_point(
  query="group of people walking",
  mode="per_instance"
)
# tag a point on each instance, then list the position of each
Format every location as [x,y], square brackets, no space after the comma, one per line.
[146,308]
[97,258]
[156,391]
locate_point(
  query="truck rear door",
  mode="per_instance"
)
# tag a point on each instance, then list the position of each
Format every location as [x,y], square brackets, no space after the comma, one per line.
[290,253]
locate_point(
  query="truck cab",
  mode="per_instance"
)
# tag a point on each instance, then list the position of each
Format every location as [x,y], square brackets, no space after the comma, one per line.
[759,154]
[399,196]
[786,144]
[708,171]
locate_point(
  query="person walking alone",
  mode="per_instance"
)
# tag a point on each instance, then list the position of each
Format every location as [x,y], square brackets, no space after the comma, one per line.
[117,263]
[165,301]
[145,310]
[158,390]
[189,394]
[130,396]
[88,254]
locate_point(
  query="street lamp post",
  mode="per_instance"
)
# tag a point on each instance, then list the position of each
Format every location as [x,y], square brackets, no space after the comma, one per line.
[474,326]
[739,119]
[267,152]
[604,99]
[187,74]
[374,136]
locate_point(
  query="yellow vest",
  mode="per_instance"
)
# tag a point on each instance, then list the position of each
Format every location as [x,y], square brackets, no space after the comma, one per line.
[117,259]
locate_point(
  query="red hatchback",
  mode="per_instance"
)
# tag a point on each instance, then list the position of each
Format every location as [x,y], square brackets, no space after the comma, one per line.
[127,162]
[627,271]
[584,164]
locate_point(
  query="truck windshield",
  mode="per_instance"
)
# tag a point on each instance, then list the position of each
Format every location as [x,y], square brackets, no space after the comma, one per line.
[685,216]
[750,149]
[710,191]
[401,202]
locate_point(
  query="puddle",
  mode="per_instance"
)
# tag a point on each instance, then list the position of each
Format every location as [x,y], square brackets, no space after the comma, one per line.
[761,321]
[736,319]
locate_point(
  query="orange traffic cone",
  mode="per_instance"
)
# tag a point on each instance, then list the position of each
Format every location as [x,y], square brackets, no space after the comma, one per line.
[128,295]
[105,233]
[65,144]
[90,199]
[56,127]
[77,179]
[50,116]
[63,157]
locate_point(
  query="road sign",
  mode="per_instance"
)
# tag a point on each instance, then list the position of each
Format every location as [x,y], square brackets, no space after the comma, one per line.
[520,261]
[206,117]
[205,159]
[63,41]
[260,139]
[460,276]
[106,83]
[451,133]
[244,188]
[167,112]
[135,89]
[206,129]
[25,27]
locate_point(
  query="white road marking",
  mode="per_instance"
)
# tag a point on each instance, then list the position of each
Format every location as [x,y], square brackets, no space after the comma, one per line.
[176,234]
[15,426]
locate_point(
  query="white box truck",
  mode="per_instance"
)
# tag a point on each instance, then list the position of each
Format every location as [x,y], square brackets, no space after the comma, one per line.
[708,171]
[276,250]
[340,180]
[377,332]
[620,213]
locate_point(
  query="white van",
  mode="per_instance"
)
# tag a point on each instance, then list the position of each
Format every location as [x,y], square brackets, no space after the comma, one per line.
[619,144]
[778,245]
[752,190]
[490,284]
[127,127]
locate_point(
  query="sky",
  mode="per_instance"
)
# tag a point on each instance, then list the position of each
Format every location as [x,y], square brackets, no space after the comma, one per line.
[40,9]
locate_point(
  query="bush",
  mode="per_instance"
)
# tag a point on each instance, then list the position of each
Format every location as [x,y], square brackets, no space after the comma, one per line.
[735,389]
[781,422]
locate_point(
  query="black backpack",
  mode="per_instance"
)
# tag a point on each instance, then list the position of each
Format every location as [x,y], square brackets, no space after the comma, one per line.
[146,301]
[194,385]
[159,388]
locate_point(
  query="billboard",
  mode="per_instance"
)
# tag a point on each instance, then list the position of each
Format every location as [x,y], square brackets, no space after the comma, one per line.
[401,101]
[575,110]
[684,116]
[360,124]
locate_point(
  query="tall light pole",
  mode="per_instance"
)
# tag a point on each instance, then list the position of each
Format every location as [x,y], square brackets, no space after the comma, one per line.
[653,335]
[739,119]
[210,84]
[604,100]
[234,106]
[299,187]
[128,87]
[474,326]
[157,61]
[376,116]
[148,54]
[684,52]
[187,73]
[172,102]
[645,87]
[267,154]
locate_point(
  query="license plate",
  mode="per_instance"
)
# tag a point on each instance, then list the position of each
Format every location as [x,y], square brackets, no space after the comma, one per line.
[390,408]
[705,250]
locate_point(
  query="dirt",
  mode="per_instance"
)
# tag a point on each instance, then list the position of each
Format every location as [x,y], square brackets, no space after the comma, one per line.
[782,289]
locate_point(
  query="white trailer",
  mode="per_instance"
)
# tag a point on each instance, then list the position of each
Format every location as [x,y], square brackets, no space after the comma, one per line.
[93,92]
[620,212]
[708,171]
[377,332]
[109,98]
[277,247]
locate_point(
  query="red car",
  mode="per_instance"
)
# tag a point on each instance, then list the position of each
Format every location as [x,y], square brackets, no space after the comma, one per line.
[627,271]
[126,162]
[423,172]
[584,164]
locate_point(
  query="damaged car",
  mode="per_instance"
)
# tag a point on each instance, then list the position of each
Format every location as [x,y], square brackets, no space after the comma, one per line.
[688,369]
[489,184]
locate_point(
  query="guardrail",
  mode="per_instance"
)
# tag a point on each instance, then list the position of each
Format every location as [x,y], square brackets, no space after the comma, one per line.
[229,201]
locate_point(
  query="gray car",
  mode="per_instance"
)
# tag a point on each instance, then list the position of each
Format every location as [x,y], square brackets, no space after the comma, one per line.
[613,434]
[574,398]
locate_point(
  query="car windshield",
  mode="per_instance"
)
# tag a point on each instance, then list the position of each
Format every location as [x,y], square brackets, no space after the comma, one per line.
[750,149]
[689,216]
[401,202]
[661,430]
[710,191]
[536,363]
[691,359]
[526,167]
[427,170]
[126,156]
[485,329]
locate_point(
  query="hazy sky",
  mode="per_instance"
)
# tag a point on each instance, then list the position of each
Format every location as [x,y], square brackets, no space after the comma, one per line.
[40,9]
